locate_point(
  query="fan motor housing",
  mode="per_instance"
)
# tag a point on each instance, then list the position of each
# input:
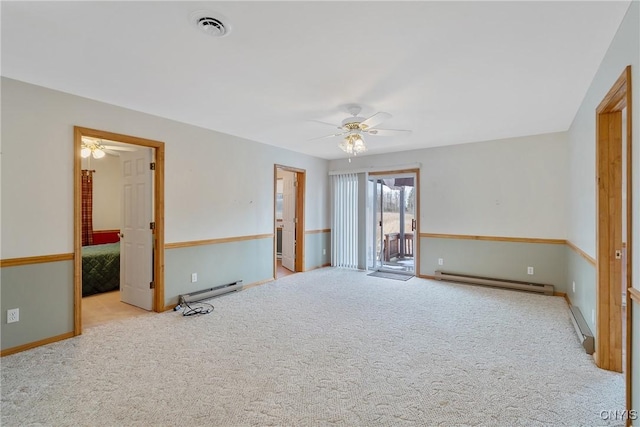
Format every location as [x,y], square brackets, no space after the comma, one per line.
[352,121]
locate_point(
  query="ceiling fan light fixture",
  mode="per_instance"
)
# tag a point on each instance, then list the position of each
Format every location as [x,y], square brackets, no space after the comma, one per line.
[353,144]
[94,149]
[98,153]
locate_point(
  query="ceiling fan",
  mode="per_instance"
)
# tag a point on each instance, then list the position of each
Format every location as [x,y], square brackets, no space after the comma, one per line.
[355,127]
[97,148]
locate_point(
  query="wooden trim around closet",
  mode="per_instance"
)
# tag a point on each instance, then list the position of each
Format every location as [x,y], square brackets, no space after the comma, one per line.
[609,226]
[192,243]
[301,185]
[41,259]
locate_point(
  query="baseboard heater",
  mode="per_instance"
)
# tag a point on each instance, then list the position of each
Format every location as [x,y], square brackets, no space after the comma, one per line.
[582,329]
[210,292]
[499,283]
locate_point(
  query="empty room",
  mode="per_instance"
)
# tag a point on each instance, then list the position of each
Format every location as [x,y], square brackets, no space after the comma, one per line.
[313,213]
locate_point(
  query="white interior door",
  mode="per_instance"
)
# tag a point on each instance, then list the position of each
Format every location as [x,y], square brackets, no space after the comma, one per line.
[289,220]
[136,241]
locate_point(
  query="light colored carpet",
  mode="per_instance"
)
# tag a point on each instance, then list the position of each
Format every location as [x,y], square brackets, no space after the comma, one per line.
[328,347]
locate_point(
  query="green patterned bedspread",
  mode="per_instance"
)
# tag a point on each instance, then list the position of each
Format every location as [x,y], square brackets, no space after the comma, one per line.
[100,268]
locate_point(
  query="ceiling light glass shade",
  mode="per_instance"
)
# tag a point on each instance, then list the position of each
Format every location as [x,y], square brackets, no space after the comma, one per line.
[98,153]
[95,150]
[353,144]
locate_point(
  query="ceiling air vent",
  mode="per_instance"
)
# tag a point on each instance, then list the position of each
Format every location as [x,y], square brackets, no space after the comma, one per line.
[210,23]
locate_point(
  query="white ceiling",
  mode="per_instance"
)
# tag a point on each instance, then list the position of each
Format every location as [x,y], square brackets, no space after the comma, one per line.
[453,72]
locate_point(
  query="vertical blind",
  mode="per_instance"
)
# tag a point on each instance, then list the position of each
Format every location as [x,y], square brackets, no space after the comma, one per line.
[344,221]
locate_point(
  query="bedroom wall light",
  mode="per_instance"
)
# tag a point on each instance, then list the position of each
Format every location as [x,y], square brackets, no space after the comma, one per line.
[353,144]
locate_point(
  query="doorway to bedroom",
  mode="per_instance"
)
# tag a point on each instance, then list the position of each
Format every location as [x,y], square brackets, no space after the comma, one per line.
[118,227]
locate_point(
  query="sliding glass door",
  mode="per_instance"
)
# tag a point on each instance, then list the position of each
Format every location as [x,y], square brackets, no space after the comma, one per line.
[391,207]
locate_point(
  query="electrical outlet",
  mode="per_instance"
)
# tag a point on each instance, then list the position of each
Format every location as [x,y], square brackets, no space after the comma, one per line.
[530,271]
[13,315]
[440,261]
[574,287]
[194,277]
[324,252]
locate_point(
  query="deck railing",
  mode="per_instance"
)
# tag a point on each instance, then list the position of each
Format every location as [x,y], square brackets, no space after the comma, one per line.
[397,247]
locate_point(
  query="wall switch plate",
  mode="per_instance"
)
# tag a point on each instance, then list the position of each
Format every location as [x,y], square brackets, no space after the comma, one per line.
[324,252]
[194,277]
[593,316]
[440,261]
[13,315]
[530,270]
[574,287]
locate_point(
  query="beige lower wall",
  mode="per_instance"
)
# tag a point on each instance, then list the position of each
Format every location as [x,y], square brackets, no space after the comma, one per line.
[317,252]
[217,264]
[499,259]
[583,274]
[44,294]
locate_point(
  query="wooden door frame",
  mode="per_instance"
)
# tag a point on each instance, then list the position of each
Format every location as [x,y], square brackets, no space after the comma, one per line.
[416,171]
[608,163]
[158,203]
[301,179]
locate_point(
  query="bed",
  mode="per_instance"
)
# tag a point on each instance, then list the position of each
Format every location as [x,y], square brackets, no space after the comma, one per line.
[100,268]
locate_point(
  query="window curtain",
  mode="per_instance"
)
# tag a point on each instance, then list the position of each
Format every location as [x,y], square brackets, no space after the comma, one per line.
[344,221]
[87,207]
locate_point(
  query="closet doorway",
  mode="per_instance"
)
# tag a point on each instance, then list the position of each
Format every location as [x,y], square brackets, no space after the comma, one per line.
[119,270]
[614,227]
[289,188]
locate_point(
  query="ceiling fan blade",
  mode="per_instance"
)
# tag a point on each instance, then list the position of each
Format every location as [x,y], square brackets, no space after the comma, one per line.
[375,120]
[326,123]
[119,148]
[328,136]
[113,153]
[388,132]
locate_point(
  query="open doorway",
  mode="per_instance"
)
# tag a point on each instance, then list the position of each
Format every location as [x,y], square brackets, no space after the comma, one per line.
[102,299]
[118,271]
[393,222]
[614,234]
[289,187]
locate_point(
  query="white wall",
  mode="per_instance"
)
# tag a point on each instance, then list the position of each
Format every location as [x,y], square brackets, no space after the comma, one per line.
[624,50]
[216,185]
[106,191]
[512,187]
